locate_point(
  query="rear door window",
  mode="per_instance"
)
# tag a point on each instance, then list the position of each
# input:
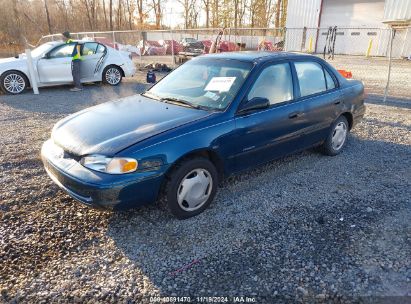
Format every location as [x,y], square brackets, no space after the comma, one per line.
[89,48]
[100,49]
[310,77]
[330,80]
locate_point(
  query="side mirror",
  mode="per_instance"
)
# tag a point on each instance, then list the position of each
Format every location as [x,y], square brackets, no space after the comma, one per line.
[254,104]
[45,56]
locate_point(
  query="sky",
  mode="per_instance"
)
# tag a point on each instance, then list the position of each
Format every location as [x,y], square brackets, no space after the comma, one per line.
[173,14]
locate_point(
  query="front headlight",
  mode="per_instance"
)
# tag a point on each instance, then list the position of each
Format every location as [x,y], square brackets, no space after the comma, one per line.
[112,165]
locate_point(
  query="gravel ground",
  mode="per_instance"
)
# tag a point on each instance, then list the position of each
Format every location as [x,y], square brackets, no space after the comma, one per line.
[303,228]
[373,72]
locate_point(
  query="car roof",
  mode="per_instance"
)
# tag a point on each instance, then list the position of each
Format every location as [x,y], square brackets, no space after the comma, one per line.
[54,43]
[258,56]
[58,42]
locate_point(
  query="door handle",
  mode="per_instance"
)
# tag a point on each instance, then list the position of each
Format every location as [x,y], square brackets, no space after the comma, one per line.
[294,115]
[337,102]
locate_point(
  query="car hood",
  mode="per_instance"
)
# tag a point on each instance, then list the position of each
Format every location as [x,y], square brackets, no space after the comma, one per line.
[113,126]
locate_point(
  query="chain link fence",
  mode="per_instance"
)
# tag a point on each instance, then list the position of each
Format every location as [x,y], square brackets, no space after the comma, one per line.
[365,52]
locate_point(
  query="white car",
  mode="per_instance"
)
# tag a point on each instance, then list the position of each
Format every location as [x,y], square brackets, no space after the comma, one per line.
[52,66]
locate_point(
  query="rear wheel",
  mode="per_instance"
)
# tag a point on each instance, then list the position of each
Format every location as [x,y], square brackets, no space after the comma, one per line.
[112,75]
[13,82]
[337,138]
[191,187]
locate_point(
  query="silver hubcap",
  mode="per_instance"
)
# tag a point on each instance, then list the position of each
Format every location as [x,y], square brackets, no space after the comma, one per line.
[14,83]
[194,189]
[113,76]
[339,135]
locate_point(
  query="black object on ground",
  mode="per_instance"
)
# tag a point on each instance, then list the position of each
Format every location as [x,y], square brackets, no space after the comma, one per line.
[151,77]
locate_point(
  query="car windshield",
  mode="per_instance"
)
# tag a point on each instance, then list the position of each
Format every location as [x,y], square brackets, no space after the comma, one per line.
[203,82]
[40,50]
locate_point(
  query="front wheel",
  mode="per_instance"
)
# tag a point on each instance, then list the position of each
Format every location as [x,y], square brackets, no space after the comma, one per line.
[337,138]
[112,75]
[191,187]
[13,82]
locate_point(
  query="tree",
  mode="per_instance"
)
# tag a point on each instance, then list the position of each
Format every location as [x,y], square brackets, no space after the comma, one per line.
[130,9]
[105,14]
[214,13]
[270,8]
[236,4]
[111,15]
[119,14]
[140,10]
[34,18]
[17,31]
[261,12]
[190,13]
[61,5]
[46,9]
[241,9]
[90,6]
[207,11]
[157,12]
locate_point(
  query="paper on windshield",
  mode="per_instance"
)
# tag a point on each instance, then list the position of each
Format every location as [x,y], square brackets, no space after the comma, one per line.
[221,84]
[212,95]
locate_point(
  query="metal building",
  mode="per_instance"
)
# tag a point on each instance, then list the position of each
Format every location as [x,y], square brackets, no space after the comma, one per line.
[358,22]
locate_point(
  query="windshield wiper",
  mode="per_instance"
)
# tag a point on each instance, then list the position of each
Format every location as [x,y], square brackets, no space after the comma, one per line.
[150,95]
[176,101]
[180,101]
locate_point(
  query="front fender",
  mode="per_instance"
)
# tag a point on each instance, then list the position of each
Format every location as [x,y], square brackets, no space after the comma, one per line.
[216,138]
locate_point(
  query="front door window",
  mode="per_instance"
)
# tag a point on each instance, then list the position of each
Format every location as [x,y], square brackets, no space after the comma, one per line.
[274,83]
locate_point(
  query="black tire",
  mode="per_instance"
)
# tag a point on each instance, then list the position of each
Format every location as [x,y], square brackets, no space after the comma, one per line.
[328,148]
[182,172]
[108,70]
[23,81]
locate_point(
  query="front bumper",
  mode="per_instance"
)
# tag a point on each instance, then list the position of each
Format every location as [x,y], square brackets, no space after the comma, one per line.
[97,189]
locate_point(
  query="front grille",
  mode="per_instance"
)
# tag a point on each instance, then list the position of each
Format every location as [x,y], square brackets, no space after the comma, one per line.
[69,155]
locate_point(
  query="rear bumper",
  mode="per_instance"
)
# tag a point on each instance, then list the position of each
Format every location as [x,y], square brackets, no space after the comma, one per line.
[98,189]
[129,69]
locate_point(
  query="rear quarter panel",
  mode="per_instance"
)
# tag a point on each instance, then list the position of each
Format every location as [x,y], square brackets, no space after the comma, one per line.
[353,96]
[120,59]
